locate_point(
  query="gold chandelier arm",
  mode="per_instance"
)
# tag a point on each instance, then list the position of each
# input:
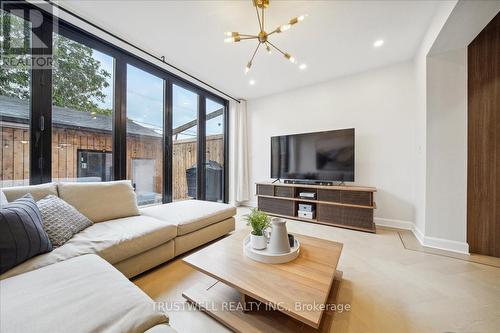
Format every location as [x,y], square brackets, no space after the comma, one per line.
[251,37]
[275,30]
[246,35]
[261,27]
[286,26]
[274,46]
[254,52]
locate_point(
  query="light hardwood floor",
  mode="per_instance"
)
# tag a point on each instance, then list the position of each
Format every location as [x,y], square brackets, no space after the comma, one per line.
[389,288]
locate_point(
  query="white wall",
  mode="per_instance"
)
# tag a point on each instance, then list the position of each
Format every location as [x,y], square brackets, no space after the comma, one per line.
[379,104]
[420,63]
[411,123]
[441,126]
[446,200]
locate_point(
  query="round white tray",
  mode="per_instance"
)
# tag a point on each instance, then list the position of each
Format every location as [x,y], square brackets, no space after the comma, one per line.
[270,258]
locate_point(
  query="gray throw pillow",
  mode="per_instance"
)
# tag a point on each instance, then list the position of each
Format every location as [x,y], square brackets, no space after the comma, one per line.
[61,220]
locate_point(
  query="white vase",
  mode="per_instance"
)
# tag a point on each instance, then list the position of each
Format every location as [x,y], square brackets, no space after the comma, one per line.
[258,242]
[279,244]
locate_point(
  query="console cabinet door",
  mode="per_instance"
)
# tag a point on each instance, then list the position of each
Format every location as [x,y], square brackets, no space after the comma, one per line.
[277,206]
[265,189]
[284,191]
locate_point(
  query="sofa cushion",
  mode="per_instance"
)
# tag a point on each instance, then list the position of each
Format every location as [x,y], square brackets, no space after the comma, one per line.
[83,294]
[37,191]
[123,238]
[197,238]
[113,240]
[140,263]
[191,215]
[61,220]
[21,233]
[101,201]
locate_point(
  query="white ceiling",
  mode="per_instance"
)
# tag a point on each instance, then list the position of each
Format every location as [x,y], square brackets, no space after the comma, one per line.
[336,39]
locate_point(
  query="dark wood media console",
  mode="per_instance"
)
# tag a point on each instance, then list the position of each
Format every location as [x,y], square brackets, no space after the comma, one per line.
[341,206]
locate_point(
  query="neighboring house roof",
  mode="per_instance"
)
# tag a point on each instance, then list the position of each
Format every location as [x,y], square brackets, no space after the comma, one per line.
[17,110]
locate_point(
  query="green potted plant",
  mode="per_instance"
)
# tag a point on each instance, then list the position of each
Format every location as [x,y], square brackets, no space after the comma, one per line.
[259,221]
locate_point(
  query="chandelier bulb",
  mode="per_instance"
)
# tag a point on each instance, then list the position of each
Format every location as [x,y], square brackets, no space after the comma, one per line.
[284,27]
[232,39]
[247,69]
[290,58]
[297,19]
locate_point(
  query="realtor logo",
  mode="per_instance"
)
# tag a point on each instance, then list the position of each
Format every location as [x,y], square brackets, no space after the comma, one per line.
[22,25]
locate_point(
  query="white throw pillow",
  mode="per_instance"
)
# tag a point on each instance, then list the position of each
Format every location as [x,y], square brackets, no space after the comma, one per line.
[61,220]
[101,201]
[3,199]
[37,191]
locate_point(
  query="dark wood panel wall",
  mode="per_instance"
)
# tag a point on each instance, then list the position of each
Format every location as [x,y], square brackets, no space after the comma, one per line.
[483,178]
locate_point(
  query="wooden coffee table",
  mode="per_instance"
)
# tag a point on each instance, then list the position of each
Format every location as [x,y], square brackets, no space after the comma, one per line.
[249,296]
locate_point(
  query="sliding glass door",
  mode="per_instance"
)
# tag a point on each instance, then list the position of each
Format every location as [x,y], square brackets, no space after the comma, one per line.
[15,98]
[145,112]
[82,112]
[96,112]
[184,143]
[214,151]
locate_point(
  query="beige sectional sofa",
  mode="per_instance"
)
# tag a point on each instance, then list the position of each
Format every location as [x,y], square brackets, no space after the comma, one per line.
[132,240]
[81,294]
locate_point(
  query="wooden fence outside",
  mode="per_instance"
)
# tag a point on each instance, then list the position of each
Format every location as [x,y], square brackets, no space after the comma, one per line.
[185,157]
[14,155]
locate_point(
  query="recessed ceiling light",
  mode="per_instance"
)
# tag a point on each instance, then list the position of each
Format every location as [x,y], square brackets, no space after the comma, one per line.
[303,66]
[252,82]
[378,43]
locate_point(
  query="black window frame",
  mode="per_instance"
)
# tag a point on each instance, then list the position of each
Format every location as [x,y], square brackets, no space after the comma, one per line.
[41,106]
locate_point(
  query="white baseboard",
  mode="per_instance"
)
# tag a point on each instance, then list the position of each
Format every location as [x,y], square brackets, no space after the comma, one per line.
[249,203]
[399,224]
[445,244]
[418,234]
[434,242]
[441,243]
[238,204]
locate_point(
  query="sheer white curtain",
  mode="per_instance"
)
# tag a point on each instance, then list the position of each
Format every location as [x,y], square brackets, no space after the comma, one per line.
[238,153]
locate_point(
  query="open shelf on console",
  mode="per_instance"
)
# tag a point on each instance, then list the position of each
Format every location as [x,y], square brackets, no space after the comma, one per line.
[320,202]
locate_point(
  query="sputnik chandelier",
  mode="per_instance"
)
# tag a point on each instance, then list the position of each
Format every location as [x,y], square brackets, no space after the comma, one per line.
[263,37]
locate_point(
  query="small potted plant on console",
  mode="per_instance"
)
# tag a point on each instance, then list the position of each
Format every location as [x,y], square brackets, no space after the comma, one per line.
[259,221]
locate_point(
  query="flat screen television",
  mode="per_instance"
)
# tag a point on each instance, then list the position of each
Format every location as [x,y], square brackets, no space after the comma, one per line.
[319,156]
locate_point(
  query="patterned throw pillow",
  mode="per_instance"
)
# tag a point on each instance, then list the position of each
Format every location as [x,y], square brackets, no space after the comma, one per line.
[21,233]
[61,220]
